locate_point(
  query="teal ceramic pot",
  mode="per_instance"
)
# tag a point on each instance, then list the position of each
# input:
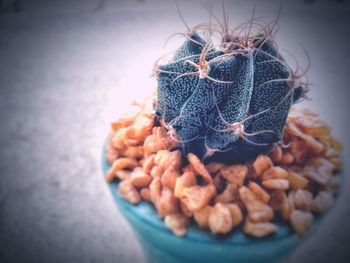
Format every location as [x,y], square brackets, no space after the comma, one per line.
[160,245]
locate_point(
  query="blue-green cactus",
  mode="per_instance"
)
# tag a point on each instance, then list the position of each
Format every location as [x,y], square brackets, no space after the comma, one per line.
[229,104]
[192,46]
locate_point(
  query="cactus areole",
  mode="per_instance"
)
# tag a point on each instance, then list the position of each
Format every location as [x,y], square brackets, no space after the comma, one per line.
[230,101]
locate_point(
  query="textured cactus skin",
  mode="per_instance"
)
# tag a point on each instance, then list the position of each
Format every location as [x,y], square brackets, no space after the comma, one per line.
[231,97]
[276,95]
[190,48]
[199,110]
[172,95]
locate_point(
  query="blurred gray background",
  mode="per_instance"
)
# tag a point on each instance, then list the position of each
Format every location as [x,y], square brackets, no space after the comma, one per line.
[68,68]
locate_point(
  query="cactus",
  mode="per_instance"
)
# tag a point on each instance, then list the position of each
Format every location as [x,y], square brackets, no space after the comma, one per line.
[228,102]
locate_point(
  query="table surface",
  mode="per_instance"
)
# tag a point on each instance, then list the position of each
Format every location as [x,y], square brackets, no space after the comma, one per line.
[68,68]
